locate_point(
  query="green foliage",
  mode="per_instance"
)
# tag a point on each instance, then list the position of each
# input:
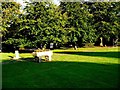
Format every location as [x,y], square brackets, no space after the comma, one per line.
[106,19]
[70,22]
[79,22]
[10,13]
[44,22]
[10,24]
[89,45]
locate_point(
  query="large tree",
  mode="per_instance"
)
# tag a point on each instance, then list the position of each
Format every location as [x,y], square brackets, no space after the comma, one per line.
[79,22]
[106,20]
[43,23]
[10,18]
[70,22]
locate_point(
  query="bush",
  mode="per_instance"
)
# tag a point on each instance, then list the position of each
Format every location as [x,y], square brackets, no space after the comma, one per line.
[118,43]
[89,45]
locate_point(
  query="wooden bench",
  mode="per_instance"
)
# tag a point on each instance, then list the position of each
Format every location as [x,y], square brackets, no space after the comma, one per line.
[47,54]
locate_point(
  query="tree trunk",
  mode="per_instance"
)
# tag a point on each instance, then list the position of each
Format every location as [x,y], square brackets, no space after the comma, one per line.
[75,47]
[101,41]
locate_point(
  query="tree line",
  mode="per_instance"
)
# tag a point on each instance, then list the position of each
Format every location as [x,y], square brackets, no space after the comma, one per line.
[70,23]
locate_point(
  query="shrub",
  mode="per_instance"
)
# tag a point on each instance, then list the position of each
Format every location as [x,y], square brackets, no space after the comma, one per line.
[89,45]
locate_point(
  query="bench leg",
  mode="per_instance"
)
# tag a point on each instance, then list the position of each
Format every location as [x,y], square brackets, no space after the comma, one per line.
[36,59]
[39,60]
[46,57]
[50,58]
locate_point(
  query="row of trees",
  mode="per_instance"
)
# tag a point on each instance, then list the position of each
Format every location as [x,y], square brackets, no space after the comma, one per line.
[76,23]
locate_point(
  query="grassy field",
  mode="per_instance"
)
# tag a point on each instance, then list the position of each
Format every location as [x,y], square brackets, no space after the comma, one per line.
[83,68]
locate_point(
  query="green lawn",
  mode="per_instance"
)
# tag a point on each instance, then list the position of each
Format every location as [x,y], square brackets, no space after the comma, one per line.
[82,68]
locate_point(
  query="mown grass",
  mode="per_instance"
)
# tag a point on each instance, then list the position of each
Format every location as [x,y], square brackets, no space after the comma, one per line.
[82,68]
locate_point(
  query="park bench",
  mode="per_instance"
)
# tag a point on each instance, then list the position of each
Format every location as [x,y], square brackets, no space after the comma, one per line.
[39,53]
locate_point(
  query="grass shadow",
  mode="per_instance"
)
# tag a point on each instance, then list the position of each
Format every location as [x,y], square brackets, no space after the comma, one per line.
[11,57]
[60,74]
[22,59]
[99,54]
[31,59]
[11,61]
[28,59]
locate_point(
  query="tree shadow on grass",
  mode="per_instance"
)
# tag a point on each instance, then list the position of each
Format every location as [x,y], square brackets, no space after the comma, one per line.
[99,54]
[28,59]
[20,60]
[31,59]
[60,74]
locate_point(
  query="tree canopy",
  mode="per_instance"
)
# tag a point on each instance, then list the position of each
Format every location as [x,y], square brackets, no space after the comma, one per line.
[73,23]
